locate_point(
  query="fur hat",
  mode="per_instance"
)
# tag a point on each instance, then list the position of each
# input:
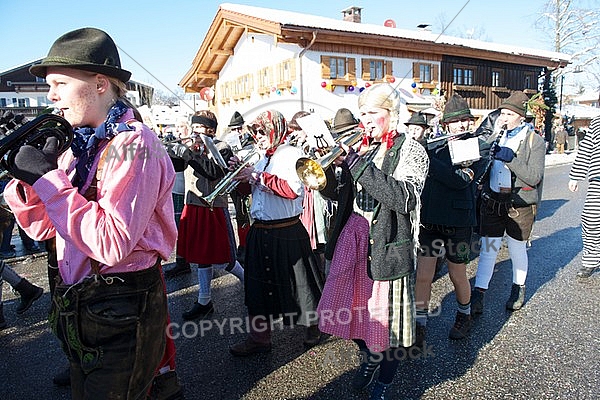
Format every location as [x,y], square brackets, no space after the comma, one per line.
[516,102]
[236,120]
[456,109]
[417,119]
[88,49]
[343,121]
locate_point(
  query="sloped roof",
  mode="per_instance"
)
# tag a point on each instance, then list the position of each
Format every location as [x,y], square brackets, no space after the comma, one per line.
[233,20]
[313,21]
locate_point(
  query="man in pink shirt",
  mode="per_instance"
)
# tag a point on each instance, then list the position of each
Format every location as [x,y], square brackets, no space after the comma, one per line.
[107,200]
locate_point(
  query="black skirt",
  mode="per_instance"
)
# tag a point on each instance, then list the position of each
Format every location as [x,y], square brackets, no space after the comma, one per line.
[282,278]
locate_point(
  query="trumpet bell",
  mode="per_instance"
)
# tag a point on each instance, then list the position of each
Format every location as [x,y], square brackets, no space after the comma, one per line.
[311,173]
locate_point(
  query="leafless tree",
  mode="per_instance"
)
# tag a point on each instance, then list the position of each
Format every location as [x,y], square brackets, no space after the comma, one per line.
[573,27]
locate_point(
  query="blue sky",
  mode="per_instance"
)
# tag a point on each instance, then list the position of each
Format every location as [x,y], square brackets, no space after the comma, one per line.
[164,36]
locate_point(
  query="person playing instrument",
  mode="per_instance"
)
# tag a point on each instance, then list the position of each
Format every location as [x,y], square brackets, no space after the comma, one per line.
[241,202]
[448,215]
[316,209]
[112,228]
[182,133]
[371,281]
[510,195]
[205,236]
[282,276]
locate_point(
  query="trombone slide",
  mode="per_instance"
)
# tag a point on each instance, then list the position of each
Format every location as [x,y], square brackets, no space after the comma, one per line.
[227,183]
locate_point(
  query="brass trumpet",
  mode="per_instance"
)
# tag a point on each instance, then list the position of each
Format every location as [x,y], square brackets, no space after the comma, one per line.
[35,133]
[312,172]
[227,184]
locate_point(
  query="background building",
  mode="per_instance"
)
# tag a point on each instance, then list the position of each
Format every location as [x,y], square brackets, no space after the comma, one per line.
[254,58]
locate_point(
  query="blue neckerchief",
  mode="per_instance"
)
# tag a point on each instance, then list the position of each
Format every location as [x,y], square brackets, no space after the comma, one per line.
[86,141]
[515,131]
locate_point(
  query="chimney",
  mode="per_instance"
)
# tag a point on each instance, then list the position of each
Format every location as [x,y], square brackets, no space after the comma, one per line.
[352,14]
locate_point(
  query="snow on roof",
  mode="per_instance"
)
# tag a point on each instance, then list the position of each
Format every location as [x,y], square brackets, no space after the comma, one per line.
[315,21]
[580,111]
[587,97]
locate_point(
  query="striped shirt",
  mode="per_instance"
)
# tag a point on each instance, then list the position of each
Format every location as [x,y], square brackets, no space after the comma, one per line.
[587,160]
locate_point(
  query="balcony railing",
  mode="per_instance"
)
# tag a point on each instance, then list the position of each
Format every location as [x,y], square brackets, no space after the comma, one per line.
[28,112]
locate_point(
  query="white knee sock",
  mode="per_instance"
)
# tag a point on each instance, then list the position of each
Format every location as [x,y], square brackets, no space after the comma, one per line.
[204,278]
[487,260]
[518,254]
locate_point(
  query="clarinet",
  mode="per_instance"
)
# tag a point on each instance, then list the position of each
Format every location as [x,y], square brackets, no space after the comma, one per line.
[479,181]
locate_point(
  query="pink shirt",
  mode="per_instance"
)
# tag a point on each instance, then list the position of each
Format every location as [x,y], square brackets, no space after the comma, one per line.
[129,225]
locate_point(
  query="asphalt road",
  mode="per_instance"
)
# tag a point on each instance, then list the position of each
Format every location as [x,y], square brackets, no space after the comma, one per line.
[547,350]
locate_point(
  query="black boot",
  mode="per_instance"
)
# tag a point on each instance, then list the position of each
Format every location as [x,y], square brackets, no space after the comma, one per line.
[2,320]
[29,293]
[517,297]
[366,373]
[181,267]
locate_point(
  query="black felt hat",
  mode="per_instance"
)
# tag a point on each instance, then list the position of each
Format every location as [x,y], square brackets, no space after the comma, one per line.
[88,49]
[343,121]
[417,119]
[236,120]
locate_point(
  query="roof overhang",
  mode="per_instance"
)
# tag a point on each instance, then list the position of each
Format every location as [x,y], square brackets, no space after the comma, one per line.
[228,27]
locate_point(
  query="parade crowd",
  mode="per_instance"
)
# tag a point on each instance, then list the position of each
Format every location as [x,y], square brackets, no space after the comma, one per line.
[348,245]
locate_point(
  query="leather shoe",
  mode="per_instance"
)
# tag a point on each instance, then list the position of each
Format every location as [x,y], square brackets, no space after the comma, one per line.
[585,272]
[249,347]
[198,310]
[312,336]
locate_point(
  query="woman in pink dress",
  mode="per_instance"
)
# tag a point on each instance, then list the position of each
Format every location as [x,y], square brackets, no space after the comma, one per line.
[369,293]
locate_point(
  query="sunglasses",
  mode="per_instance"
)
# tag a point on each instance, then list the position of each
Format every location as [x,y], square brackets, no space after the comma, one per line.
[256,131]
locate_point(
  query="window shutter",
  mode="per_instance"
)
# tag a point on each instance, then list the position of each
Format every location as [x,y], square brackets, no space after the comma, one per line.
[416,71]
[366,71]
[388,69]
[435,73]
[250,84]
[351,69]
[270,77]
[292,63]
[325,69]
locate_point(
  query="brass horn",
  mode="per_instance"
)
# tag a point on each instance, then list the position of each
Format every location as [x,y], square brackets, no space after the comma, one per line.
[312,172]
[227,184]
[35,133]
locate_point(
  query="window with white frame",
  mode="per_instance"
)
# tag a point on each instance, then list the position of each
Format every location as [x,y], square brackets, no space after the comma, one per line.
[337,68]
[462,76]
[497,80]
[425,72]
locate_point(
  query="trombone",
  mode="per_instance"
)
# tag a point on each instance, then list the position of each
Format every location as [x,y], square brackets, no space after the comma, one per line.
[227,184]
[312,172]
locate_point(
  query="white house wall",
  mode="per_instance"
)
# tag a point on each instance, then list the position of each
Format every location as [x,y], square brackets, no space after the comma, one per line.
[254,52]
[34,99]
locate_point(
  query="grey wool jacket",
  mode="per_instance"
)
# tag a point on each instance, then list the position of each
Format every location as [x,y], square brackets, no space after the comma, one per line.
[527,170]
[391,245]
